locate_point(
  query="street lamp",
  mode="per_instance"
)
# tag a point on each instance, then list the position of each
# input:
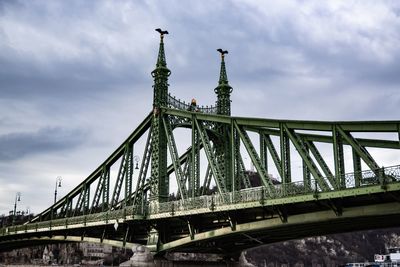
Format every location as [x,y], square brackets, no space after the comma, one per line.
[136,159]
[17,198]
[58,184]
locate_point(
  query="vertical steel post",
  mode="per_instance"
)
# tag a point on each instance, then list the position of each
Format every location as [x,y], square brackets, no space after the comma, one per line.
[159,189]
[338,157]
[222,146]
[357,168]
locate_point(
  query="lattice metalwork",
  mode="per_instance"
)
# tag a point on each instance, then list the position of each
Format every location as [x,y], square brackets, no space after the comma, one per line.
[308,158]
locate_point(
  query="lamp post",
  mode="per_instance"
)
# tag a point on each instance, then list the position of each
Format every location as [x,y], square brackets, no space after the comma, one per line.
[136,159]
[58,184]
[17,198]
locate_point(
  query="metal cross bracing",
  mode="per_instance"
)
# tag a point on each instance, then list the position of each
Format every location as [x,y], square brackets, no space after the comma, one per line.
[216,198]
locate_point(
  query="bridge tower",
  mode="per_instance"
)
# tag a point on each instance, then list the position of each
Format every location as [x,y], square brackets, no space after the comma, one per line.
[223,89]
[159,178]
[224,152]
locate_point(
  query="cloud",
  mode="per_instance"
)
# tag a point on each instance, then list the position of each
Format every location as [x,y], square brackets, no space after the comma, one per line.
[17,145]
[75,77]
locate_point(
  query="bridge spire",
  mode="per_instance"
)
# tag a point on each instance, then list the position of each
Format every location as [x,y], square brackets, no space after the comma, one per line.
[159,189]
[223,89]
[160,75]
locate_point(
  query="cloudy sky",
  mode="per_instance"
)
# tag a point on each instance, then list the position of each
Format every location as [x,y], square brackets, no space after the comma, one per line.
[75,75]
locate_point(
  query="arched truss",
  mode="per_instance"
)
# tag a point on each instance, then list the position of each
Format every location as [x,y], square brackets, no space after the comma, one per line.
[343,170]
[127,200]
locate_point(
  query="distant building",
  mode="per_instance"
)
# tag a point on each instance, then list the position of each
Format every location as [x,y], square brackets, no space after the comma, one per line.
[95,250]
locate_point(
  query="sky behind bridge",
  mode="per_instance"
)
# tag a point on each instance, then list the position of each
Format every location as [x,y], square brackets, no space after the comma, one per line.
[75,75]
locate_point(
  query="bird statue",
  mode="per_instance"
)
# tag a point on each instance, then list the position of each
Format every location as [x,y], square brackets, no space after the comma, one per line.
[223,52]
[161,31]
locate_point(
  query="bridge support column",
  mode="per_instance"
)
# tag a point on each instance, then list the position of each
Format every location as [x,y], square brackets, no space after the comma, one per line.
[142,257]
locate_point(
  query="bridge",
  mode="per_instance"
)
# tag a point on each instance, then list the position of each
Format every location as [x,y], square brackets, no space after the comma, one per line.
[220,206]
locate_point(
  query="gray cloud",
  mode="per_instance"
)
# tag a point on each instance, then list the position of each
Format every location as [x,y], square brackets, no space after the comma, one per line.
[17,145]
[75,77]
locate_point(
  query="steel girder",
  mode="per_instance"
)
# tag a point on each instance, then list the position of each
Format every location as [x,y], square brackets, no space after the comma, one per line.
[194,167]
[175,158]
[209,151]
[302,135]
[80,194]
[221,135]
[102,191]
[256,160]
[205,132]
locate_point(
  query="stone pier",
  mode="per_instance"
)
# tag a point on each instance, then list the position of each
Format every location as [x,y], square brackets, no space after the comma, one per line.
[142,257]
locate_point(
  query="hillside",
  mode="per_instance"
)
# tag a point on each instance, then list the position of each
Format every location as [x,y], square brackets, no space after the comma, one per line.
[330,250]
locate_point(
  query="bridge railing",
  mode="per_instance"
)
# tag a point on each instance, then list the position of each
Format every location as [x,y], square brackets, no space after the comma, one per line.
[381,177]
[260,194]
[173,102]
[75,220]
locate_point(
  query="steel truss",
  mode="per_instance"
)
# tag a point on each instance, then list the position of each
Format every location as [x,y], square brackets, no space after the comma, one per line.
[219,142]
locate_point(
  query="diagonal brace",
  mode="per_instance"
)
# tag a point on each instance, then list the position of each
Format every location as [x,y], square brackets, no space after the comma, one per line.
[256,160]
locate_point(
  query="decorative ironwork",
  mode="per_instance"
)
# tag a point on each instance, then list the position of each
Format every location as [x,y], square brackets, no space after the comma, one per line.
[216,139]
[173,102]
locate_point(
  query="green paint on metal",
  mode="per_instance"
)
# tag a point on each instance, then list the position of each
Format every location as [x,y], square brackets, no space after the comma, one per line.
[360,150]
[293,221]
[338,156]
[285,155]
[220,136]
[194,178]
[159,189]
[357,168]
[322,164]
[306,158]
[208,149]
[274,153]
[124,174]
[223,90]
[175,158]
[256,160]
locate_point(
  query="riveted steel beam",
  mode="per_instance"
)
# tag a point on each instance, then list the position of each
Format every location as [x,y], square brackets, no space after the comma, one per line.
[136,134]
[139,190]
[207,180]
[175,158]
[102,189]
[215,169]
[124,173]
[338,156]
[307,159]
[357,168]
[293,222]
[285,155]
[274,154]
[352,126]
[328,174]
[194,175]
[243,174]
[263,151]
[328,139]
[360,150]
[256,160]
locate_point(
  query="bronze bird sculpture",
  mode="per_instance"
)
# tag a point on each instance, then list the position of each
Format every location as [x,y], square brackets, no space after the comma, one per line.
[161,31]
[223,52]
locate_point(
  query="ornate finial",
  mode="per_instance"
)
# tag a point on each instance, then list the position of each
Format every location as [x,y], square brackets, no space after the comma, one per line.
[161,55]
[223,79]
[161,33]
[223,89]
[223,52]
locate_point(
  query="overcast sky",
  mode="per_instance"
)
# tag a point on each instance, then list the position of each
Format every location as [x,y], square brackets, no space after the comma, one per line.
[75,75]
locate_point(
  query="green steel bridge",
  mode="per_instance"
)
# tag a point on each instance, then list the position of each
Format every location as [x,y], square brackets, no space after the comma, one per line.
[217,207]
